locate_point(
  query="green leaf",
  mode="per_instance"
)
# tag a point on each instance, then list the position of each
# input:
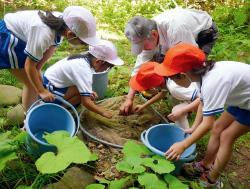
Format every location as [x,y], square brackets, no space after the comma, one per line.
[105,181]
[70,150]
[4,136]
[7,150]
[151,181]
[133,149]
[159,164]
[118,184]
[174,183]
[95,186]
[24,187]
[21,137]
[124,166]
[93,157]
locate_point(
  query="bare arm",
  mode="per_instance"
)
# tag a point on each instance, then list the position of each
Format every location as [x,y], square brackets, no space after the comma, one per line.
[126,107]
[33,71]
[178,148]
[178,113]
[156,98]
[90,105]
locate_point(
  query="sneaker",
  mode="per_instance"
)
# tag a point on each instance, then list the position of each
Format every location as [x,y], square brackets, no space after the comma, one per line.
[205,182]
[196,168]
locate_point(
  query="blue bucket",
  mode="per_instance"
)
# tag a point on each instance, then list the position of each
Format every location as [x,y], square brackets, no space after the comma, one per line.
[47,118]
[160,138]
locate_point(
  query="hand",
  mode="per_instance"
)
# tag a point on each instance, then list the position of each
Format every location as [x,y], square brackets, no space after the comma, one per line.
[176,115]
[126,107]
[175,151]
[138,108]
[94,95]
[107,115]
[189,131]
[47,96]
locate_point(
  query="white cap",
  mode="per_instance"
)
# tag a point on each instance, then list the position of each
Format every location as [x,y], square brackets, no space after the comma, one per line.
[106,51]
[136,31]
[82,23]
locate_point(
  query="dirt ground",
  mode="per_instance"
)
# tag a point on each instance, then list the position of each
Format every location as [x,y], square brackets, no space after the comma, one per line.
[236,174]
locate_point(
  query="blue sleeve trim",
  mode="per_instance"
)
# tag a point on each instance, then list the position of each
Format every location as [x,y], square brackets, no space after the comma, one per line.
[194,95]
[213,112]
[86,94]
[57,41]
[32,57]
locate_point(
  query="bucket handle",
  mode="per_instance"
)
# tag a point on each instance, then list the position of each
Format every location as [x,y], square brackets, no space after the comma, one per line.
[64,102]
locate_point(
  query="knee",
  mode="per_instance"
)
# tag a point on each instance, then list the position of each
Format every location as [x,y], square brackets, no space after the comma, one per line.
[226,140]
[217,129]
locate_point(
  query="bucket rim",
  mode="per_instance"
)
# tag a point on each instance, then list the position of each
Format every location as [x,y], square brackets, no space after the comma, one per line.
[193,146]
[31,134]
[103,72]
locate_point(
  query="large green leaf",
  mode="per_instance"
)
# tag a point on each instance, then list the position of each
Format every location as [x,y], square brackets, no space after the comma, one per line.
[133,149]
[174,183]
[125,166]
[118,184]
[7,150]
[70,150]
[150,181]
[161,165]
[21,137]
[95,186]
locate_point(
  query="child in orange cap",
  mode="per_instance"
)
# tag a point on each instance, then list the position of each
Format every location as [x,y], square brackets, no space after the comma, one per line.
[222,83]
[147,79]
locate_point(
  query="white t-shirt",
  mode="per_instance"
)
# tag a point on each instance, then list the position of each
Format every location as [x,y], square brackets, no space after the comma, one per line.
[75,72]
[228,83]
[181,93]
[28,26]
[175,26]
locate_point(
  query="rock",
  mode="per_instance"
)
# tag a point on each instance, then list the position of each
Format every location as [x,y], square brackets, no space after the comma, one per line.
[91,145]
[73,178]
[16,115]
[10,95]
[100,146]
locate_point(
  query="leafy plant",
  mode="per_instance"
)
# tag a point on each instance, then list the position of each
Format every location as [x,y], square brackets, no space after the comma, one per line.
[70,150]
[138,167]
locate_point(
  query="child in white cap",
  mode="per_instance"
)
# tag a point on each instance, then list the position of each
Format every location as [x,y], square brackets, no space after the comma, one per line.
[29,38]
[71,77]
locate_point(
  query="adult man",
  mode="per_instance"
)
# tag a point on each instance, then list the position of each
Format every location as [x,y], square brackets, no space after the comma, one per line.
[151,38]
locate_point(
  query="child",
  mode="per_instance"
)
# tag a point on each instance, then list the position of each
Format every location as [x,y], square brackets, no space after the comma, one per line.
[71,78]
[29,38]
[222,83]
[147,79]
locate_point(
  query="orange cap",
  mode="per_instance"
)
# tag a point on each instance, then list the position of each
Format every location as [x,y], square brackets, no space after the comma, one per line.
[183,57]
[146,77]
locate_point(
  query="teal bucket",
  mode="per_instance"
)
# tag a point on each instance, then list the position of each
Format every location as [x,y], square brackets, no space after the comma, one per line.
[160,138]
[47,118]
[100,83]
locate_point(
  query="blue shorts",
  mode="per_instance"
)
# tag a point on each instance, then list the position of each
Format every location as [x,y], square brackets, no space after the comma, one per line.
[57,92]
[12,54]
[242,115]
